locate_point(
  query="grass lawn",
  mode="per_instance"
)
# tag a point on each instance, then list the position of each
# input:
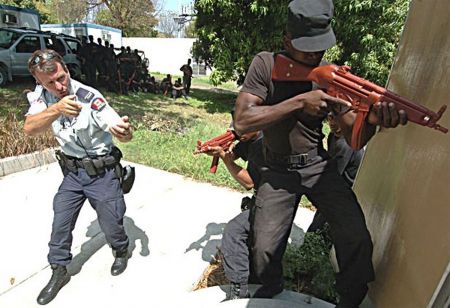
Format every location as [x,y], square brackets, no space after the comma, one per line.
[166,130]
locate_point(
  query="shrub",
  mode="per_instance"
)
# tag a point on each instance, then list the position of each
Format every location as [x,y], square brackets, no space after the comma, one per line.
[307,268]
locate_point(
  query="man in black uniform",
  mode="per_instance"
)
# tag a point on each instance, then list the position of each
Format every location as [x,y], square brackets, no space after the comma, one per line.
[83,54]
[178,90]
[347,160]
[100,62]
[291,115]
[187,75]
[166,85]
[235,252]
[111,67]
[90,58]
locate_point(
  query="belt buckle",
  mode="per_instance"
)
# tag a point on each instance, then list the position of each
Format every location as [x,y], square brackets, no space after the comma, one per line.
[303,159]
[300,161]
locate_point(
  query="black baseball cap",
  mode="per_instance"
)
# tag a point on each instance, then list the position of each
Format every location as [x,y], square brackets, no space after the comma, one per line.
[309,23]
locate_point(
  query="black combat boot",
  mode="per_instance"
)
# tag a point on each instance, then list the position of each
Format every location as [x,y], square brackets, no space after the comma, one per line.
[120,262]
[268,291]
[59,278]
[352,297]
[237,290]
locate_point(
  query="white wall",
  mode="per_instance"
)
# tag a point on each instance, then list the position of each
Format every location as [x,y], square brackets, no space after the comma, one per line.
[166,55]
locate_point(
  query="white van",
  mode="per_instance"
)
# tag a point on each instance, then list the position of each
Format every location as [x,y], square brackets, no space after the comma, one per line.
[11,16]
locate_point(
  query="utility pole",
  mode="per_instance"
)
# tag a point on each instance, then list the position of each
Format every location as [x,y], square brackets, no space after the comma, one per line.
[186,16]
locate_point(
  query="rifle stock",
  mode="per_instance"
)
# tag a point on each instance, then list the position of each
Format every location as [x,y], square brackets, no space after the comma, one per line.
[337,81]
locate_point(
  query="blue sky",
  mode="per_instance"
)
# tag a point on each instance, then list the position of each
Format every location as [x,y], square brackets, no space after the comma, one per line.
[175,5]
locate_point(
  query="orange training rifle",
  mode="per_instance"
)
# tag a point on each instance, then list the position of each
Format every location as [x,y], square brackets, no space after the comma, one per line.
[224,141]
[338,82]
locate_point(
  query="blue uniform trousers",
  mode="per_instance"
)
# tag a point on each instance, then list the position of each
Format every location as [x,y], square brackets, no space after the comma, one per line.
[105,196]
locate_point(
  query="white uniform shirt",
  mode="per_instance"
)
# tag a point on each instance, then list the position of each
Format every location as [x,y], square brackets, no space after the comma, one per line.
[88,133]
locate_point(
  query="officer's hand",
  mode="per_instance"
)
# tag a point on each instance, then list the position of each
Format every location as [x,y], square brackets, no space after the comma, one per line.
[318,103]
[122,131]
[68,106]
[386,115]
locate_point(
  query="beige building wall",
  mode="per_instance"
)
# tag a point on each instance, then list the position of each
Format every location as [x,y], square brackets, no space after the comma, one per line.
[404,181]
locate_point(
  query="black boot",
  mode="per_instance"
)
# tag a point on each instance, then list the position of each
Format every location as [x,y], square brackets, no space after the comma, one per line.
[59,278]
[237,290]
[352,297]
[268,291]
[120,262]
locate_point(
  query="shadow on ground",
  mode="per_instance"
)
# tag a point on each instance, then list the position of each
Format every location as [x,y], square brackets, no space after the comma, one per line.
[209,249]
[97,241]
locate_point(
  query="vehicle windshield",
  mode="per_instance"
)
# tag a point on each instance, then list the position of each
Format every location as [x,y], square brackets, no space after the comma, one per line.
[7,38]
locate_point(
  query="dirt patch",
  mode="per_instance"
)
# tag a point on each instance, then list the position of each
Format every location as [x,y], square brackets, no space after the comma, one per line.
[213,275]
[13,140]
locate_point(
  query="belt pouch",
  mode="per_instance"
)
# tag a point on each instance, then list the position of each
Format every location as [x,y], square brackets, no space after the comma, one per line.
[99,165]
[89,166]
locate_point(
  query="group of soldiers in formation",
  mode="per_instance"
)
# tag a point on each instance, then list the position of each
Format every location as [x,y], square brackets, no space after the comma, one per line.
[124,72]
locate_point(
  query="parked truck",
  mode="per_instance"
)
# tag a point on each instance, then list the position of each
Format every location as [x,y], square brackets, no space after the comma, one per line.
[113,35]
[11,16]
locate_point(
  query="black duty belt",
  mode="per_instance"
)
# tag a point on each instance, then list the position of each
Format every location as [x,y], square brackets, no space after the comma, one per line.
[293,161]
[92,165]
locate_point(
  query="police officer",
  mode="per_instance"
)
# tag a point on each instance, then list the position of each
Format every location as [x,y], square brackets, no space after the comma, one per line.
[83,123]
[291,115]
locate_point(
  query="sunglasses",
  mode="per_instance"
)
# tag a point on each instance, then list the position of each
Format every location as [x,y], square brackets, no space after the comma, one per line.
[43,57]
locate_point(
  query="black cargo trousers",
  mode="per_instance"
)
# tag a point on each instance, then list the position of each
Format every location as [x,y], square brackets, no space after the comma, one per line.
[279,194]
[235,249]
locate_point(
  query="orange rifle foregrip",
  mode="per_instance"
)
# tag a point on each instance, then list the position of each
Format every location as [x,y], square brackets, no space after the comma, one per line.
[214,164]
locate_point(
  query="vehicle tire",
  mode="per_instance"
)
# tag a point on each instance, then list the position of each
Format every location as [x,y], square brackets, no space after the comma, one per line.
[3,76]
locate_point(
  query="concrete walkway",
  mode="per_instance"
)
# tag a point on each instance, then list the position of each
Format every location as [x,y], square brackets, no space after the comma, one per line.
[174,224]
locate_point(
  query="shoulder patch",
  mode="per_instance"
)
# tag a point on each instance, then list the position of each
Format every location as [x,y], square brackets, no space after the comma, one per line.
[85,96]
[98,103]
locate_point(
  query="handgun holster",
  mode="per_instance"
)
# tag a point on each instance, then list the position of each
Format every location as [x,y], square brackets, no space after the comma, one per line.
[128,176]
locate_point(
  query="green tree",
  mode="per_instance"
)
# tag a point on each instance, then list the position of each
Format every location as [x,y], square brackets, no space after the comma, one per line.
[27,4]
[189,30]
[135,18]
[69,11]
[368,33]
[230,33]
